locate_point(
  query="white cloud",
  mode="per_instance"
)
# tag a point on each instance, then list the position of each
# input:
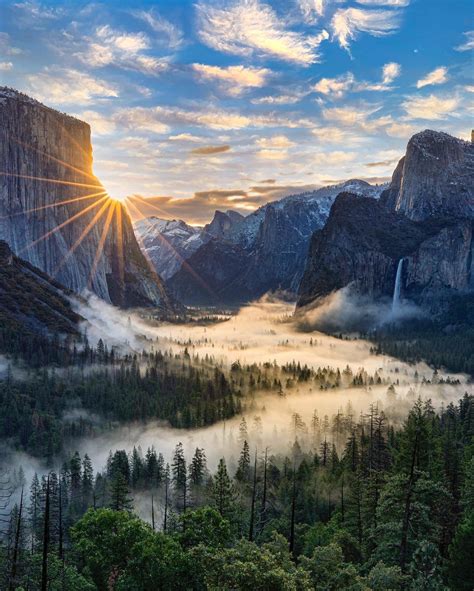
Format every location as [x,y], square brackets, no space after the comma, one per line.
[430,107]
[390,71]
[184,137]
[233,80]
[347,23]
[281,99]
[333,158]
[35,11]
[437,76]
[390,3]
[246,27]
[338,87]
[468,43]
[400,130]
[170,34]
[335,86]
[100,124]
[312,9]
[331,134]
[124,50]
[6,66]
[272,154]
[276,141]
[160,119]
[66,86]
[6,47]
[350,116]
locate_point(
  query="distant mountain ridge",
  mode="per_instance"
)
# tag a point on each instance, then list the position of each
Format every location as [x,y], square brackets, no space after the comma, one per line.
[234,259]
[53,210]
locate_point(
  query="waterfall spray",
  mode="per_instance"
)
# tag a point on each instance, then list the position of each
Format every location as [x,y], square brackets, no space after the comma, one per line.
[398,287]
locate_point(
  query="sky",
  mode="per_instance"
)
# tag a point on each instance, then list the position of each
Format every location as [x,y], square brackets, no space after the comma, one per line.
[226,104]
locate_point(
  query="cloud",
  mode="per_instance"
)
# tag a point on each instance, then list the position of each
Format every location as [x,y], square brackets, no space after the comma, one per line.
[233,80]
[282,99]
[390,71]
[338,87]
[347,23]
[389,3]
[277,141]
[400,130]
[100,124]
[437,76]
[159,119]
[200,208]
[33,13]
[170,34]
[184,137]
[272,154]
[468,43]
[386,158]
[335,86]
[210,150]
[109,47]
[56,85]
[350,116]
[333,158]
[430,107]
[6,47]
[332,134]
[312,9]
[6,66]
[247,27]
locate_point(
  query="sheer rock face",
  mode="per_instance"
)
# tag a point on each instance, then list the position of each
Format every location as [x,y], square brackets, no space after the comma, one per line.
[45,165]
[426,217]
[435,178]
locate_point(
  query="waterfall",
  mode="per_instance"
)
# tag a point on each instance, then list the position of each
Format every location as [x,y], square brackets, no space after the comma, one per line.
[398,287]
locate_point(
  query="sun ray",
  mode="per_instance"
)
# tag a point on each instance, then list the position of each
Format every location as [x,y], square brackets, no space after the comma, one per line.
[45,180]
[145,202]
[56,204]
[63,224]
[119,232]
[182,260]
[100,247]
[58,160]
[83,234]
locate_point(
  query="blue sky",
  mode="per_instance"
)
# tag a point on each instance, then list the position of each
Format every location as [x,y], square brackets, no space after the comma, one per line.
[215,104]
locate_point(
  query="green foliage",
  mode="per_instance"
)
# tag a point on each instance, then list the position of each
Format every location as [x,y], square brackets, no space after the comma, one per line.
[461,552]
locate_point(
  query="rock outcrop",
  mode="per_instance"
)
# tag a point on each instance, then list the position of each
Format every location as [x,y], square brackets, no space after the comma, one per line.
[55,214]
[425,217]
[434,179]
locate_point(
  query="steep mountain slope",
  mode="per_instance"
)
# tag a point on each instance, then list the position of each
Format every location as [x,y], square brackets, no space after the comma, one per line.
[425,218]
[168,243]
[55,214]
[264,251]
[30,301]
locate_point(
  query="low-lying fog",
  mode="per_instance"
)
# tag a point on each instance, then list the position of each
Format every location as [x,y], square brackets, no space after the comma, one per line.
[265,331]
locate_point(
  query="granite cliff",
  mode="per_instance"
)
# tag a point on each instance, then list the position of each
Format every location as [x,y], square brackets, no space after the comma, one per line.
[54,211]
[425,217]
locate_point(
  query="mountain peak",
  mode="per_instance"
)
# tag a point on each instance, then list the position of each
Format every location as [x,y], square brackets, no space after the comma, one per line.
[435,178]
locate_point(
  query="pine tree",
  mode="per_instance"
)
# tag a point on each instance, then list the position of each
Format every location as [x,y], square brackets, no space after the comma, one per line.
[243,469]
[180,479]
[223,491]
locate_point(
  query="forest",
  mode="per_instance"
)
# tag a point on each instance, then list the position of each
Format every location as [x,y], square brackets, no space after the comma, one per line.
[352,505]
